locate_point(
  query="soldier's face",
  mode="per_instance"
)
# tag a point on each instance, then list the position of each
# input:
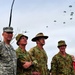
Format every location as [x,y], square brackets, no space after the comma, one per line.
[22,41]
[7,35]
[62,48]
[41,41]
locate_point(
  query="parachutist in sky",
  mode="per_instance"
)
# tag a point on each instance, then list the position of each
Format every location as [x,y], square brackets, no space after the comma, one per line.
[71,13]
[25,31]
[71,18]
[46,26]
[54,20]
[64,11]
[70,6]
[64,22]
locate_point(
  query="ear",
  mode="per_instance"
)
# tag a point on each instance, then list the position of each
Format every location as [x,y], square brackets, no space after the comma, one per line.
[18,42]
[2,34]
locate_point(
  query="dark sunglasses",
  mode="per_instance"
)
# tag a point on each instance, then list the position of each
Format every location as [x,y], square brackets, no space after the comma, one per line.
[9,32]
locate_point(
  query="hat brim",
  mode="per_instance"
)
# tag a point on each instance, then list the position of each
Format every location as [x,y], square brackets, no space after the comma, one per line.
[61,45]
[36,38]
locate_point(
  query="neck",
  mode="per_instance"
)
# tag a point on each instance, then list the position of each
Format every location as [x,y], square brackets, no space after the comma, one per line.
[63,53]
[22,47]
[40,46]
[7,42]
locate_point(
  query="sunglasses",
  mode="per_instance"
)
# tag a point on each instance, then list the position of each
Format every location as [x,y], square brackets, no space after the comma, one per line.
[9,32]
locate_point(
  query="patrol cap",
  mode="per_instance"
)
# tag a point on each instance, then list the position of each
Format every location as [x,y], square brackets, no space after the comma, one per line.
[18,37]
[61,43]
[7,29]
[39,35]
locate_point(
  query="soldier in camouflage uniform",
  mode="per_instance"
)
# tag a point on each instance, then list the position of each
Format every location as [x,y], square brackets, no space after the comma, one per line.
[24,61]
[61,63]
[39,55]
[7,53]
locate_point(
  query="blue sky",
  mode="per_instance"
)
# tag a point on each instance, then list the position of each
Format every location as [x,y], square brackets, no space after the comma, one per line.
[34,16]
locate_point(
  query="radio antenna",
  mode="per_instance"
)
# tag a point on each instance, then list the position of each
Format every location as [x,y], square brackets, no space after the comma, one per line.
[11,13]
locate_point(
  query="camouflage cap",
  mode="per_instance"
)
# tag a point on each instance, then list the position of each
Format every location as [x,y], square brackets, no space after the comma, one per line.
[61,43]
[39,35]
[18,37]
[7,29]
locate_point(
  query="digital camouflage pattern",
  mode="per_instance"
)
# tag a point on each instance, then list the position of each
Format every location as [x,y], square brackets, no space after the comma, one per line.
[7,59]
[40,57]
[62,65]
[21,58]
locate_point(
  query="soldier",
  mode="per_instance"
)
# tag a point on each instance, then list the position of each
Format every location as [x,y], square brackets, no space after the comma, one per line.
[7,53]
[61,63]
[24,61]
[73,58]
[39,55]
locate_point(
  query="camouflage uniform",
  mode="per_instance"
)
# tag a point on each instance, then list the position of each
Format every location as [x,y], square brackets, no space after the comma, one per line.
[7,59]
[41,58]
[62,65]
[21,58]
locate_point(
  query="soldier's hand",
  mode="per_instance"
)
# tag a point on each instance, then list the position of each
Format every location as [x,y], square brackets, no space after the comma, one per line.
[36,73]
[27,64]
